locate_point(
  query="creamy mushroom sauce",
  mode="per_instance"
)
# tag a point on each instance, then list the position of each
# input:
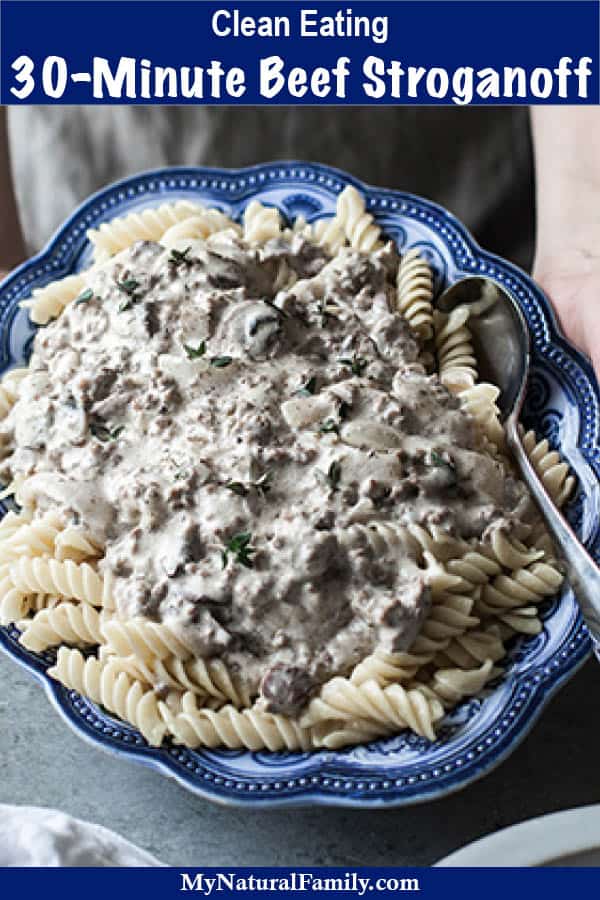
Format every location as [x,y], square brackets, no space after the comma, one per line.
[231,445]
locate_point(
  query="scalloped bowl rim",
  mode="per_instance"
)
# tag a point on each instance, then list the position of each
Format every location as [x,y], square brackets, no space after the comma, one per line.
[315,790]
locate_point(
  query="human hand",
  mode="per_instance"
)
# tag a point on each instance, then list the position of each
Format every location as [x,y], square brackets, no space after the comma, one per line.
[571,278]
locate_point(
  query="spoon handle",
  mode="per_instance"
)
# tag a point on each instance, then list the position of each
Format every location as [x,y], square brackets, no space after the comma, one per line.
[582,571]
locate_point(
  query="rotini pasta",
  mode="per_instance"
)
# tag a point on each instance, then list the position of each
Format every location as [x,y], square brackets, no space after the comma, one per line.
[9,390]
[192,640]
[145,640]
[456,362]
[209,679]
[261,223]
[341,699]
[451,685]
[196,227]
[116,691]
[232,728]
[67,579]
[415,293]
[358,225]
[48,302]
[66,623]
[552,471]
[472,649]
[147,225]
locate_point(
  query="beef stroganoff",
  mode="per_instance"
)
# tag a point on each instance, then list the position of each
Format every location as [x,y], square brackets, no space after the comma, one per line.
[263,497]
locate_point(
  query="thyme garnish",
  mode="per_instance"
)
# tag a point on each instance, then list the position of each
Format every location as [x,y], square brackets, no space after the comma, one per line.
[308,389]
[237,487]
[103,433]
[358,364]
[129,286]
[180,257]
[329,426]
[195,352]
[85,297]
[219,362]
[239,546]
[334,473]
[262,485]
[438,461]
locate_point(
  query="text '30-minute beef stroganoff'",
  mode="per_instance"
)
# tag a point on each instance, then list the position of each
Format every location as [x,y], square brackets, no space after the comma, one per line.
[289,513]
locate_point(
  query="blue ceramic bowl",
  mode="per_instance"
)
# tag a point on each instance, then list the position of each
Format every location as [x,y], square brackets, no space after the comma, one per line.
[562,404]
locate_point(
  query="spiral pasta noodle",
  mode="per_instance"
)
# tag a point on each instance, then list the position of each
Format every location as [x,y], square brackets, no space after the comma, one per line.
[451,685]
[67,579]
[329,233]
[521,587]
[553,473]
[196,227]
[456,361]
[145,640]
[415,293]
[9,389]
[251,729]
[341,699]
[67,623]
[357,224]
[48,302]
[207,678]
[115,691]
[261,223]
[470,650]
[146,225]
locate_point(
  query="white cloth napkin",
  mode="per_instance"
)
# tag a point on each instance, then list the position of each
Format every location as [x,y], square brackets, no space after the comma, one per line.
[31,836]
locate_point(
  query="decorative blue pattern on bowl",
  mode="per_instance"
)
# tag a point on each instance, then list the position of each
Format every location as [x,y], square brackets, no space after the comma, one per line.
[562,404]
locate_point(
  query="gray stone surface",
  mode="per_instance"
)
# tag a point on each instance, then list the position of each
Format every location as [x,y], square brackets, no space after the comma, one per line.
[44,763]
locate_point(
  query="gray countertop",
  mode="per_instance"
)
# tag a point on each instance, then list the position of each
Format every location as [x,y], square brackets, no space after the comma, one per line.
[45,764]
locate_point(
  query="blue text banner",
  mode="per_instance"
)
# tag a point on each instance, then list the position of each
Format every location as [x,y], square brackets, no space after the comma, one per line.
[458,52]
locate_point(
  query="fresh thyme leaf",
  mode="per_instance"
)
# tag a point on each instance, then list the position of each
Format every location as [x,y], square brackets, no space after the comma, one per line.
[219,362]
[83,298]
[328,426]
[438,461]
[103,433]
[358,364]
[263,484]
[334,473]
[179,257]
[239,546]
[128,286]
[309,388]
[237,487]
[195,352]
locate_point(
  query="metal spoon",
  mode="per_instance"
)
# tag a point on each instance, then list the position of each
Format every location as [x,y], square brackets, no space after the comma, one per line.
[501,344]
